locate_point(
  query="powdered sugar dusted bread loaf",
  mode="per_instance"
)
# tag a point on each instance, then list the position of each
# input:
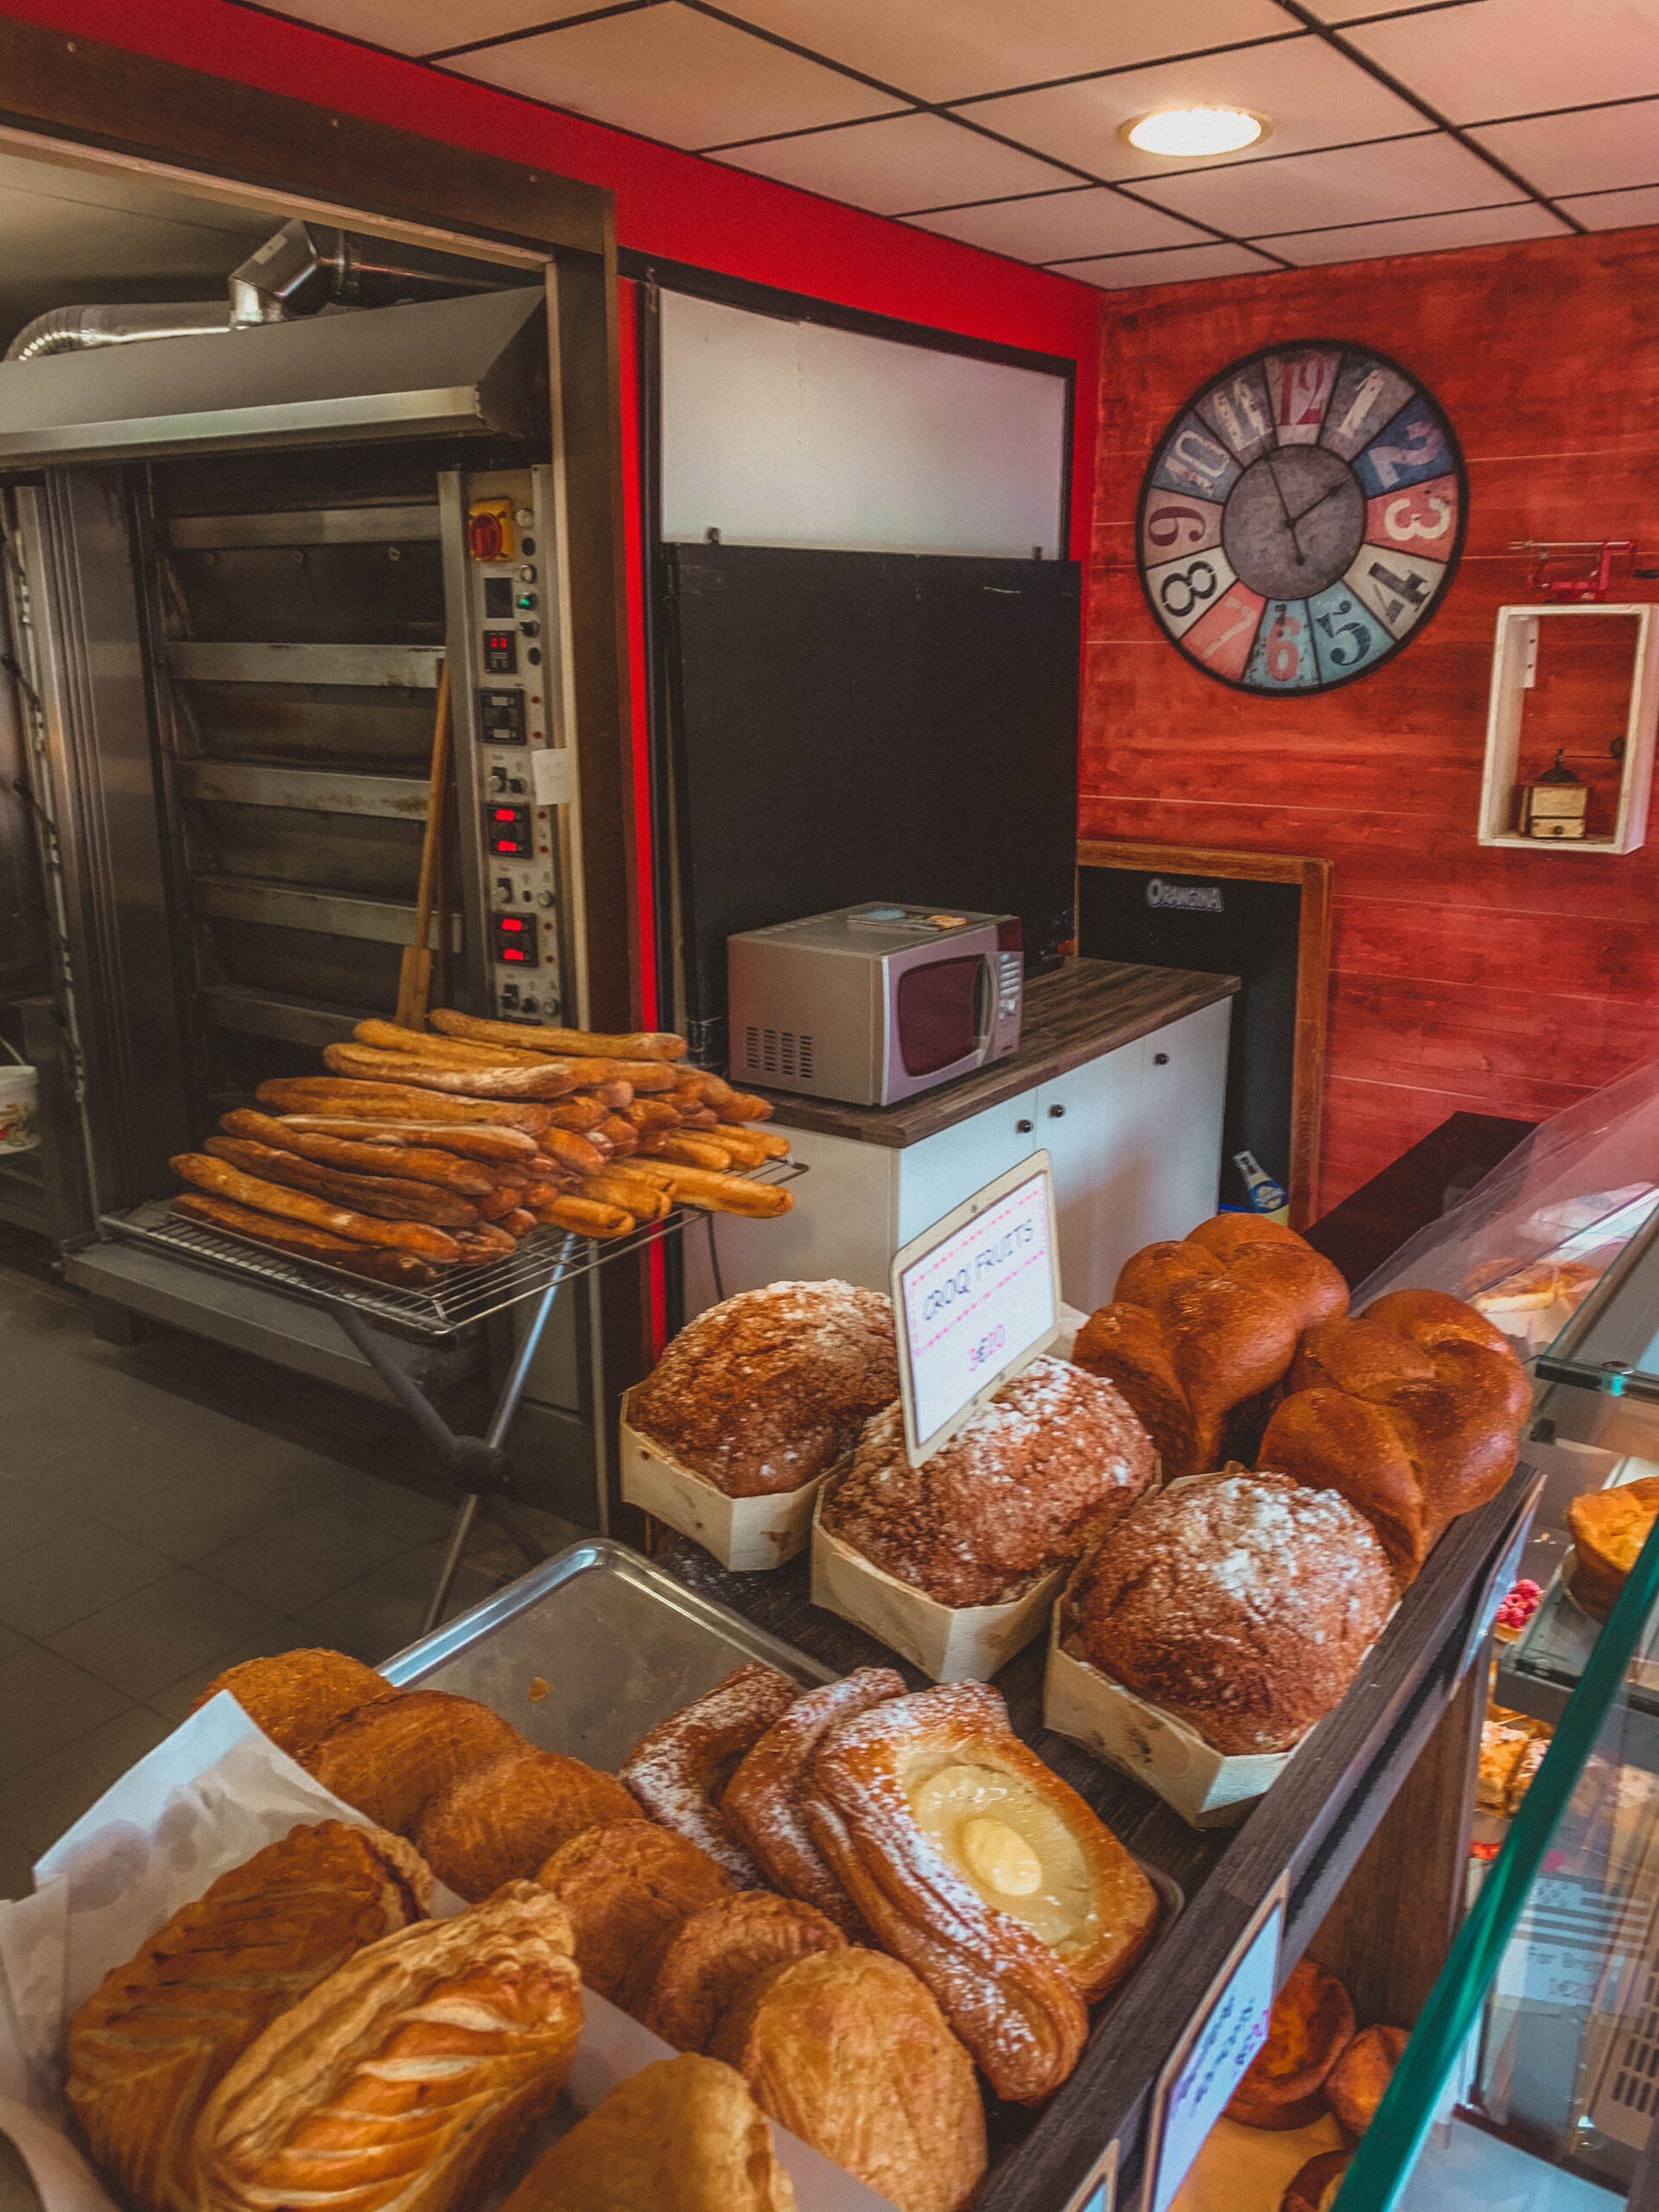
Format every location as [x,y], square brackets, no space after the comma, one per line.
[1039,1476]
[762,1394]
[1242,1604]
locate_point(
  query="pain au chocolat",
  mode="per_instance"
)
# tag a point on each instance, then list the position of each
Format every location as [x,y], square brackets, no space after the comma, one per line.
[683,2135]
[149,2047]
[766,1799]
[678,1771]
[391,1758]
[406,2079]
[982,1871]
[298,1696]
[628,1890]
[849,2050]
[716,1955]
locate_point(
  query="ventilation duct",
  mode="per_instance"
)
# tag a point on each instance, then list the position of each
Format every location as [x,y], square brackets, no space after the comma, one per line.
[302,270]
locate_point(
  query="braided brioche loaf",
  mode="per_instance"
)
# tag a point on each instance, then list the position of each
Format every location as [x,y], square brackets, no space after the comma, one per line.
[1412,1409]
[1198,1330]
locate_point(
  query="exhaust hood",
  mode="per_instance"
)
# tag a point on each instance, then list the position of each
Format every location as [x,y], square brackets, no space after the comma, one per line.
[461,368]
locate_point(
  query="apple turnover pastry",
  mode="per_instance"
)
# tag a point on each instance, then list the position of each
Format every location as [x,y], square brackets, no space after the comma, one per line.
[984,1872]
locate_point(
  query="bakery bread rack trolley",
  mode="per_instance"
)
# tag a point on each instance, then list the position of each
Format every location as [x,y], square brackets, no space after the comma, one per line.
[546,1262]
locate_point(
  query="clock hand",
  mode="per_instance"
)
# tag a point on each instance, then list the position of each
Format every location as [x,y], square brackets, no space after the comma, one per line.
[1284,509]
[1302,512]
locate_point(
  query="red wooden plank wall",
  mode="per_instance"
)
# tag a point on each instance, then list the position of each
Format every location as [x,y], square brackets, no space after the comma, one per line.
[1491,980]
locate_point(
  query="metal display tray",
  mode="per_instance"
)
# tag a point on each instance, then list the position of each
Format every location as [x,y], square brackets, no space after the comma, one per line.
[584,1654]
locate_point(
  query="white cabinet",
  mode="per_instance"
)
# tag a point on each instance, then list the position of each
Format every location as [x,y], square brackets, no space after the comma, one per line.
[1135,1135]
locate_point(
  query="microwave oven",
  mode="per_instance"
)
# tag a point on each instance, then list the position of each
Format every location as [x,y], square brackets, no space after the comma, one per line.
[874,1003]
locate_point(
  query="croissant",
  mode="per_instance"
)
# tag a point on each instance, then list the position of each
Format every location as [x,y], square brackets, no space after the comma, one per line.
[391,1758]
[717,1955]
[298,1696]
[628,1889]
[148,2047]
[407,2078]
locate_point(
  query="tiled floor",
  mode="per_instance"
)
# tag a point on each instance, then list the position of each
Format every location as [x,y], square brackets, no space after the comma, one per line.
[164,1515]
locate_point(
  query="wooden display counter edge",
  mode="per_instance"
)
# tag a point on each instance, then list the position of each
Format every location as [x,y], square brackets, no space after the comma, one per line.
[1364,1764]
[1073,1014]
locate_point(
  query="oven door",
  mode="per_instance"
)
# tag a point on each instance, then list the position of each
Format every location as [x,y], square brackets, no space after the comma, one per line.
[941,1005]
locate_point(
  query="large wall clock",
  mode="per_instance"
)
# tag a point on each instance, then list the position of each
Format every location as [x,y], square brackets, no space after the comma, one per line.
[1302,517]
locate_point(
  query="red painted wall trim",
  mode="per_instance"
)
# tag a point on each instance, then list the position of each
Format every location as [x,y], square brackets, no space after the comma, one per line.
[667,202]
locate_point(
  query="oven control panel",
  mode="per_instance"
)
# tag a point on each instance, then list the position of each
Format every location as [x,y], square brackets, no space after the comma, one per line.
[514,769]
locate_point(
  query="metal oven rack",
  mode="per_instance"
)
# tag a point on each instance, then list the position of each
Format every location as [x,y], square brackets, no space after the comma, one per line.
[544,1262]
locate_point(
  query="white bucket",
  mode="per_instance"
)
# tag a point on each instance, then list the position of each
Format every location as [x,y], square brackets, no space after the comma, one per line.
[19,1095]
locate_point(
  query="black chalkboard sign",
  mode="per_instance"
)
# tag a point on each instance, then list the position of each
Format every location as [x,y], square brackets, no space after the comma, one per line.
[1266,919]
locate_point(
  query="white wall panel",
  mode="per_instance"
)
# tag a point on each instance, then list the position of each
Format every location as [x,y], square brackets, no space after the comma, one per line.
[795,434]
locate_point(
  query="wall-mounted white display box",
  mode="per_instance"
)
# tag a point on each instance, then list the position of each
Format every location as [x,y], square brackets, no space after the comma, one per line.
[1515,662]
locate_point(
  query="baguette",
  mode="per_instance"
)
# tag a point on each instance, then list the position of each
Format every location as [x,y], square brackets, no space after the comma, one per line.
[306,1243]
[535,1195]
[772,1142]
[701,1087]
[502,1199]
[586,1216]
[224,1182]
[645,1201]
[650,1045]
[699,1117]
[744,1106]
[653,1114]
[518,1223]
[550,1080]
[495,1146]
[580,1112]
[394,1102]
[689,1151]
[715,1193]
[746,1151]
[621,1135]
[447,1052]
[390,1196]
[579,1153]
[484,1243]
[399,1162]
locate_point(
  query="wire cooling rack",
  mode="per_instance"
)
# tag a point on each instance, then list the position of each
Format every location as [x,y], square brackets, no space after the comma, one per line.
[456,1300]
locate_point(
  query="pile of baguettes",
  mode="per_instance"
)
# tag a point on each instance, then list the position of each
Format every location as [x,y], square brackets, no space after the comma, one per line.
[420,1151]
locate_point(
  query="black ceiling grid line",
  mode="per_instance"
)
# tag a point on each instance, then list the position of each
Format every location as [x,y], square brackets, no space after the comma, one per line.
[925,107]
[1261,160]
[1403,91]
[1390,15]
[535,30]
[1582,107]
[1118,69]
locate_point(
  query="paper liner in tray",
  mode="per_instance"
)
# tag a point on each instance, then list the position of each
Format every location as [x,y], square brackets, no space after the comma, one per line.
[205,1800]
[951,1644]
[1209,1789]
[746,1533]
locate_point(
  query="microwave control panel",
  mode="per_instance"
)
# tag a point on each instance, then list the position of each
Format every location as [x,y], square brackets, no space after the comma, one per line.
[515,770]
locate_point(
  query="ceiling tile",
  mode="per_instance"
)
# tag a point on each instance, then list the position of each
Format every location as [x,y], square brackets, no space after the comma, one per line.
[1312,95]
[1615,211]
[983,46]
[1420,234]
[1056,225]
[1408,176]
[1190,265]
[1596,151]
[426,26]
[676,75]
[1515,57]
[913,161]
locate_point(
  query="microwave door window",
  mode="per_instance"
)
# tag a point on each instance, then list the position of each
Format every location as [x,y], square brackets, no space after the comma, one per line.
[937,1014]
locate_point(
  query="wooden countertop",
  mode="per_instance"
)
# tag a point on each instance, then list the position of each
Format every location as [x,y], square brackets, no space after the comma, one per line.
[1076,1014]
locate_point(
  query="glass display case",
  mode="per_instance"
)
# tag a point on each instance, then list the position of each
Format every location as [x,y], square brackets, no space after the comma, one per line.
[1531,2078]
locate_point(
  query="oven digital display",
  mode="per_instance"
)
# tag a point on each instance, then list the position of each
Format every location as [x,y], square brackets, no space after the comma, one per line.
[500,652]
[514,936]
[506,831]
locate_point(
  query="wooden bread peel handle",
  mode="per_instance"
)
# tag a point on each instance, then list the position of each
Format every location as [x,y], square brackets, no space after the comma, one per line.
[415,976]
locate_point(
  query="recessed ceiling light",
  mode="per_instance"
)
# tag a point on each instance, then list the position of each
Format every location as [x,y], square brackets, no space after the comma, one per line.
[1187,133]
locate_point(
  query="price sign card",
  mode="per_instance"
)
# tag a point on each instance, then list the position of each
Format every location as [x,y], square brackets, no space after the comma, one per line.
[1209,2063]
[976,1298]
